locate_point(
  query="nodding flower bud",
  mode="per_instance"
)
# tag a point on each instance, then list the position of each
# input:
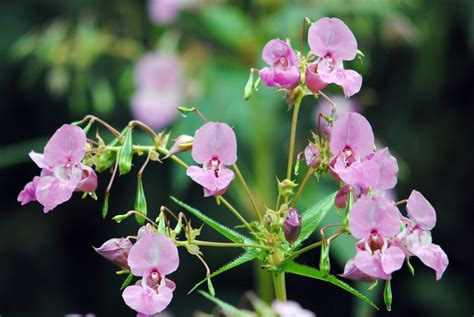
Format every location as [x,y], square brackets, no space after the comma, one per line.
[312,156]
[182,143]
[292,225]
[116,251]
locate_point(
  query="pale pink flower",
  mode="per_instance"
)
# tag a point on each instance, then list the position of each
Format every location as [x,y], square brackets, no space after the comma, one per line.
[116,251]
[333,42]
[164,11]
[290,309]
[214,146]
[416,238]
[62,171]
[283,71]
[152,258]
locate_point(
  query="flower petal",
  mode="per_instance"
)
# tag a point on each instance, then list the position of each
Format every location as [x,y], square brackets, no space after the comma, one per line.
[353,273]
[215,140]
[67,145]
[147,300]
[28,193]
[388,169]
[51,191]
[206,178]
[434,257]
[88,183]
[331,36]
[352,130]
[392,259]
[371,264]
[276,49]
[420,210]
[38,158]
[153,251]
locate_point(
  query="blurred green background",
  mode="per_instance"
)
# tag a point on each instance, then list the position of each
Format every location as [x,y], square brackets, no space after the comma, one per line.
[60,60]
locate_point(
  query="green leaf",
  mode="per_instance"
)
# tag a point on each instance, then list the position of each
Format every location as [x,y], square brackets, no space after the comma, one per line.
[126,153]
[127,281]
[227,309]
[311,272]
[313,216]
[241,259]
[140,202]
[230,234]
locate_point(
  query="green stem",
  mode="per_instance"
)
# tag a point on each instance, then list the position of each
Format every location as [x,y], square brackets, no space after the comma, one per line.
[303,184]
[247,190]
[278,277]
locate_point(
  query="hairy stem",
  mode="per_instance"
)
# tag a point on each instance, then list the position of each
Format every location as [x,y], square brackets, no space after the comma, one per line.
[278,277]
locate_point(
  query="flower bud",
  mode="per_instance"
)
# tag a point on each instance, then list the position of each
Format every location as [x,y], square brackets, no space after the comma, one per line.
[286,187]
[292,225]
[116,251]
[181,144]
[312,156]
[313,81]
[342,197]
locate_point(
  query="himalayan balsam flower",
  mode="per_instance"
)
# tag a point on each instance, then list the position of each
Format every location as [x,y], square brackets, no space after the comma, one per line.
[159,89]
[333,42]
[62,172]
[152,258]
[290,309]
[283,71]
[354,161]
[163,11]
[214,146]
[415,240]
[116,251]
[375,221]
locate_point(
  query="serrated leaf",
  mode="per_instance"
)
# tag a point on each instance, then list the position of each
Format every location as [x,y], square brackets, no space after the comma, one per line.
[127,281]
[241,259]
[303,270]
[312,217]
[230,234]
[228,309]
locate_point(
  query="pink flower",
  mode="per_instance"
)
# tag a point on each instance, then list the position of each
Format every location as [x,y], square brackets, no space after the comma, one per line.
[312,156]
[116,251]
[290,309]
[152,258]
[416,238]
[159,82]
[62,171]
[375,221]
[163,11]
[214,146]
[333,42]
[324,107]
[283,71]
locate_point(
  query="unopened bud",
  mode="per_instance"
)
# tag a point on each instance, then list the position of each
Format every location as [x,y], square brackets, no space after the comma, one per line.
[312,156]
[286,187]
[116,251]
[292,225]
[182,143]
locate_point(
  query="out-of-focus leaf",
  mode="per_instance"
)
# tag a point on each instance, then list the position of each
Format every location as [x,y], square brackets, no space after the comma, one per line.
[102,97]
[17,153]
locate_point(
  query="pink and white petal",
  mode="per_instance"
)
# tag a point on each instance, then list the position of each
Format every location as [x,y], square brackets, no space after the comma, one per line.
[388,169]
[266,74]
[88,182]
[38,158]
[371,264]
[287,78]
[364,174]
[374,213]
[276,49]
[51,192]
[350,81]
[146,300]
[420,210]
[353,130]
[215,140]
[153,251]
[392,259]
[353,273]
[434,257]
[205,178]
[67,145]
[225,177]
[28,193]
[331,36]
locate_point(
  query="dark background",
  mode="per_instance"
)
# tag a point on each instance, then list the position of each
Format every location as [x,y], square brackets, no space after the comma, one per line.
[417,94]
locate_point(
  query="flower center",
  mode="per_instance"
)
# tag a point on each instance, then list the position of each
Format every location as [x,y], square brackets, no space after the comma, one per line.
[349,155]
[375,241]
[282,63]
[154,280]
[215,165]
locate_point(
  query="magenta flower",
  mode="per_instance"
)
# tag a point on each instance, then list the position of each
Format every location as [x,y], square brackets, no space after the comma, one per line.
[416,238]
[152,258]
[159,89]
[292,225]
[333,42]
[116,251]
[290,309]
[283,71]
[375,221]
[214,146]
[62,171]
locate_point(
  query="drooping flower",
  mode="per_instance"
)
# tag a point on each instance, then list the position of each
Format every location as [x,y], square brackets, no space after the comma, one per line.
[416,240]
[283,71]
[375,221]
[152,258]
[333,42]
[214,146]
[290,309]
[159,89]
[116,251]
[62,172]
